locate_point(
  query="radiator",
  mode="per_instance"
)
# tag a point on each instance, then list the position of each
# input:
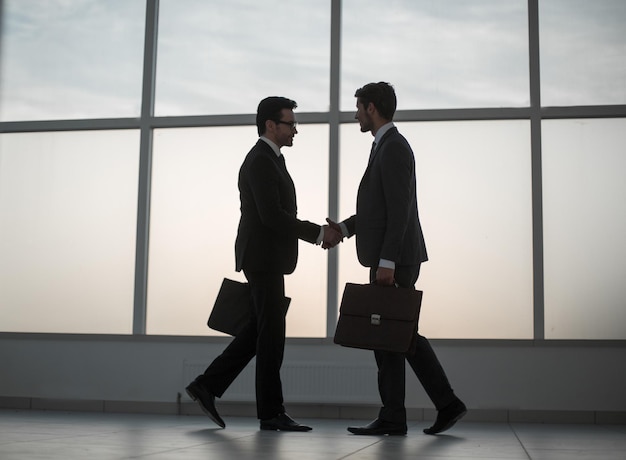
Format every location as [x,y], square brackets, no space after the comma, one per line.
[304,382]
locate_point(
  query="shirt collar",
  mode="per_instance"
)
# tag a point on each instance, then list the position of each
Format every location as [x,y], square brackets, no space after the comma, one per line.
[271,144]
[381,132]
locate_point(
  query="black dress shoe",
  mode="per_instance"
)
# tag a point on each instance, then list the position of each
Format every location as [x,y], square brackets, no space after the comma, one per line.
[447,417]
[379,428]
[282,422]
[206,400]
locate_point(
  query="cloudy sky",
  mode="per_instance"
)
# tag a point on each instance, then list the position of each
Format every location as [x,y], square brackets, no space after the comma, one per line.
[223,56]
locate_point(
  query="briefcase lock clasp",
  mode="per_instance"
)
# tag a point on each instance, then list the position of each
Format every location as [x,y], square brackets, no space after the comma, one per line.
[375,319]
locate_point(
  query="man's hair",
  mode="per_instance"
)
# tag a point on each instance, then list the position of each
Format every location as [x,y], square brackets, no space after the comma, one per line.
[382,95]
[270,108]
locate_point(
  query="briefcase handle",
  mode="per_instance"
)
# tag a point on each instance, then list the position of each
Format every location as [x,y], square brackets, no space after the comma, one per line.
[395,284]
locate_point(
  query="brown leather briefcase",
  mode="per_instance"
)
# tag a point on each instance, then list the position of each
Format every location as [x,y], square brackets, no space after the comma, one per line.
[378,317]
[232,309]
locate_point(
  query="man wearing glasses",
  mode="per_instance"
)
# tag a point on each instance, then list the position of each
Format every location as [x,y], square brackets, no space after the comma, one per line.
[266,249]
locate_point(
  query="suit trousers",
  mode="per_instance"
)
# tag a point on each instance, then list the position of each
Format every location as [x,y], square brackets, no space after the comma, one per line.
[423,361]
[263,337]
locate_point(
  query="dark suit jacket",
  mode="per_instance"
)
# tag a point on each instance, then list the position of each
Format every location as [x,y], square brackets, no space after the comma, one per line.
[386,222]
[267,238]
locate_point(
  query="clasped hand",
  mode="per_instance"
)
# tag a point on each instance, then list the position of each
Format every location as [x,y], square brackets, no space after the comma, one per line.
[333,235]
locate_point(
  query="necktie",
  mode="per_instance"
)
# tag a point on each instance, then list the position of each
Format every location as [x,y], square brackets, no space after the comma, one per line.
[372,152]
[281,160]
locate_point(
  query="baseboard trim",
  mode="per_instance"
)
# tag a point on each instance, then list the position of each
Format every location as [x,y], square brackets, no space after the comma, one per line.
[311,410]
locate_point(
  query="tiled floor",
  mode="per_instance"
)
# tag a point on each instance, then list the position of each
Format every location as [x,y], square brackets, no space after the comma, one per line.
[32,435]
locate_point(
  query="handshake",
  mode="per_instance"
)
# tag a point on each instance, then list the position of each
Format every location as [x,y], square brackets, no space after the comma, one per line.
[333,235]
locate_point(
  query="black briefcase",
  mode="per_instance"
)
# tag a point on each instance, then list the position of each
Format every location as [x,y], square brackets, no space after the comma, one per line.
[232,308]
[377,317]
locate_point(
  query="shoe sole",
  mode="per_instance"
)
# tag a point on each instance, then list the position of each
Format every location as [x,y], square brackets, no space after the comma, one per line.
[386,433]
[272,428]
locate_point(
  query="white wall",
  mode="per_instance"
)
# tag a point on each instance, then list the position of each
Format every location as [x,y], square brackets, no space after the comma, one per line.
[490,376]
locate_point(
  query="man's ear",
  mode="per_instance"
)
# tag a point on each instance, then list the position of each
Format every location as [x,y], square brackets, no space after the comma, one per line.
[371,108]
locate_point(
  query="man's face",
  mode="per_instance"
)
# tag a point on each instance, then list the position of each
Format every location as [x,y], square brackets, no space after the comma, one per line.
[285,129]
[364,117]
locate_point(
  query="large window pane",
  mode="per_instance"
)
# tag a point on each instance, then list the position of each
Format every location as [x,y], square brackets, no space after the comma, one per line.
[68,213]
[194,218]
[452,54]
[224,56]
[474,198]
[583,52]
[63,59]
[584,219]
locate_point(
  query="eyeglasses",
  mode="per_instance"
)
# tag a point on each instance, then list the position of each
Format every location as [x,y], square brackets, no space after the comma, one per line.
[291,124]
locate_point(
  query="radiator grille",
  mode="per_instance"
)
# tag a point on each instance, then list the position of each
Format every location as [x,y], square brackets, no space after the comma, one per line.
[309,382]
